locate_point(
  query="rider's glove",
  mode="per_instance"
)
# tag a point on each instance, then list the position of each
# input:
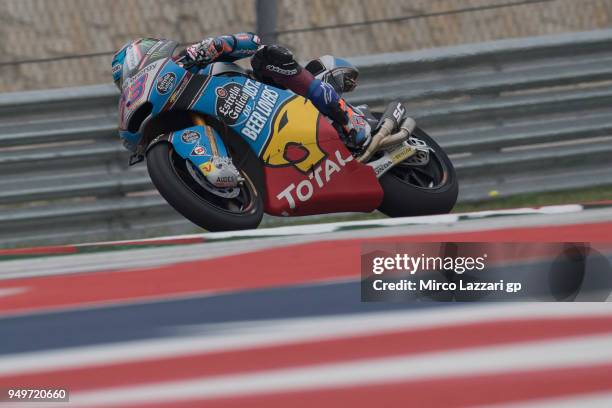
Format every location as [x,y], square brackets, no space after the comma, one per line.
[274,61]
[354,126]
[206,51]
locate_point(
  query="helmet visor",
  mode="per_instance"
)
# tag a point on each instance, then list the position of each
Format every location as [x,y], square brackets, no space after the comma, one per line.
[346,79]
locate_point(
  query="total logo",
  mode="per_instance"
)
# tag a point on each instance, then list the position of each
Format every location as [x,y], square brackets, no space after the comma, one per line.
[316,180]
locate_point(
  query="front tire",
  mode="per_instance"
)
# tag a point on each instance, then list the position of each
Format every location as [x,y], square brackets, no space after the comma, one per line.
[174,182]
[421,189]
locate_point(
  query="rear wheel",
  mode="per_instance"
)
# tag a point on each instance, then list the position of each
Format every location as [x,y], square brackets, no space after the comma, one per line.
[423,184]
[182,185]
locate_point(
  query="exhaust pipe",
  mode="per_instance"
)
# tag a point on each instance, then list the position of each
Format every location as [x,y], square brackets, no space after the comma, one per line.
[383,138]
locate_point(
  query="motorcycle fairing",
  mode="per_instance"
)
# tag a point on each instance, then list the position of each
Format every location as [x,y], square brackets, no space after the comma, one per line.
[155,85]
[309,170]
[296,145]
[245,105]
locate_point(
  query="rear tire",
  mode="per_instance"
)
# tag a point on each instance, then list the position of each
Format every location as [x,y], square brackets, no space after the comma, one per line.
[198,205]
[404,198]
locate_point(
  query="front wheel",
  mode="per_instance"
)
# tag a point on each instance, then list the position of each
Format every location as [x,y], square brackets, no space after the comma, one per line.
[177,181]
[423,184]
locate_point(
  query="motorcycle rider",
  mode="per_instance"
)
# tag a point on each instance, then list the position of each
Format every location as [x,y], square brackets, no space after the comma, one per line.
[272,64]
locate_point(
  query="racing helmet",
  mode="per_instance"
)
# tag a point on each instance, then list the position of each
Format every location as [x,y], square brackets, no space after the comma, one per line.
[338,72]
[129,57]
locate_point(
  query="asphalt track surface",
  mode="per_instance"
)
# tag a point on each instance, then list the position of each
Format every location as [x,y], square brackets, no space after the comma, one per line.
[277,321]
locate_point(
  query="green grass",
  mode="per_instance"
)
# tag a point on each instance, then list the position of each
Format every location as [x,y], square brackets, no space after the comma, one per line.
[539,199]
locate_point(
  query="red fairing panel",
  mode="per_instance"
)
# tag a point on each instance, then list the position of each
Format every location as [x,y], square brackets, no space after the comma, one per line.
[321,178]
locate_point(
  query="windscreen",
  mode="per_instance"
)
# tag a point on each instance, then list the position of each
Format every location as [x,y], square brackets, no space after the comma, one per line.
[143,52]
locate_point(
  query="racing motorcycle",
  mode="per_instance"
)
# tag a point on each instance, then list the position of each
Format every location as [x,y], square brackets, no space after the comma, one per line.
[222,148]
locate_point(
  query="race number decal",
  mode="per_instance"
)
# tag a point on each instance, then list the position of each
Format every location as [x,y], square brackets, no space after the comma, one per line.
[137,89]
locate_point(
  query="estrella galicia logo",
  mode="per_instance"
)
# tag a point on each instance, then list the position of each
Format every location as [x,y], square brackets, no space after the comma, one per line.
[190,136]
[231,102]
[166,83]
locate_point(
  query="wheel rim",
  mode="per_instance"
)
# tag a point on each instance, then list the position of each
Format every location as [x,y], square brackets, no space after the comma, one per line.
[242,204]
[431,175]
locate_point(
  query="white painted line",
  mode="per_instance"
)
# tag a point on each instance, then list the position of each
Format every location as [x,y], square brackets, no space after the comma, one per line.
[185,340]
[5,292]
[595,400]
[150,257]
[333,226]
[561,354]
[552,209]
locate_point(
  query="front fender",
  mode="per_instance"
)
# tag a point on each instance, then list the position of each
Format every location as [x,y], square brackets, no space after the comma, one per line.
[199,144]
[165,137]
